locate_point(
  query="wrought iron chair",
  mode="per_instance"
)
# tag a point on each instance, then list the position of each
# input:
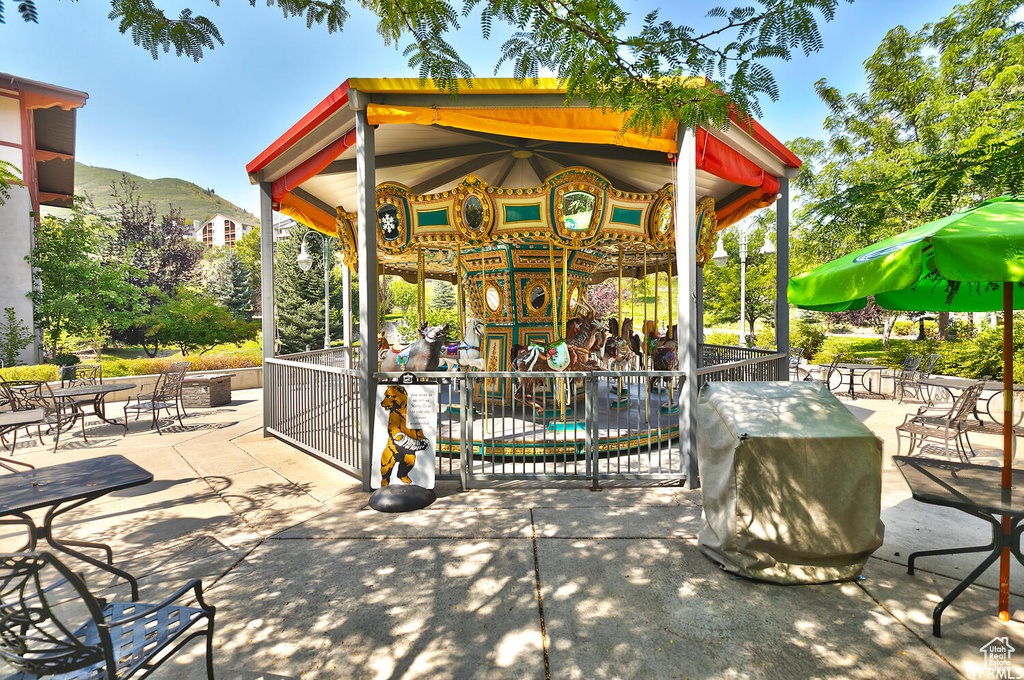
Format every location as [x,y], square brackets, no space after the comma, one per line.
[829,374]
[914,385]
[796,371]
[945,425]
[83,374]
[25,395]
[166,394]
[904,375]
[45,632]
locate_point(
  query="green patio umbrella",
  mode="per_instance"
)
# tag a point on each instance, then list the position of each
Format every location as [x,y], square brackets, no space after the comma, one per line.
[971,261]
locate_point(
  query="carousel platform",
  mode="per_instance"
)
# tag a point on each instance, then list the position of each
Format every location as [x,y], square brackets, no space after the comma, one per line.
[637,421]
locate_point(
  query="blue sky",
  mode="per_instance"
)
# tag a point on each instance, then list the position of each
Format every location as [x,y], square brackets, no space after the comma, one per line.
[203,122]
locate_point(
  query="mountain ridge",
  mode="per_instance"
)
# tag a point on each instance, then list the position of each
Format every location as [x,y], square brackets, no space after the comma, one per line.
[195,203]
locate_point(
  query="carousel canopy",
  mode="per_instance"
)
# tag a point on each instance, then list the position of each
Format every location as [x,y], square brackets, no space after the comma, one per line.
[512,145]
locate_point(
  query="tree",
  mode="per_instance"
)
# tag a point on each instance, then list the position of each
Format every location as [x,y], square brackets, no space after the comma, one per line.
[604,298]
[194,322]
[250,253]
[906,151]
[9,176]
[14,337]
[722,284]
[230,286]
[443,296]
[300,295]
[159,248]
[75,291]
[594,47]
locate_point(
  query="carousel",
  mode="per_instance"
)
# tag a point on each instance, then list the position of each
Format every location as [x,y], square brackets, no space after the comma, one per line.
[523,201]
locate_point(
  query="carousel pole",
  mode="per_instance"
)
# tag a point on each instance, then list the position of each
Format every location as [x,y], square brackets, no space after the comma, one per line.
[421,292]
[1007,479]
[668,322]
[646,348]
[458,292]
[564,387]
[483,340]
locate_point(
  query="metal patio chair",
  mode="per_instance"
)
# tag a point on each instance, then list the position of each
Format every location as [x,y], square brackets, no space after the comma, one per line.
[796,370]
[52,625]
[82,374]
[26,395]
[904,374]
[913,384]
[165,395]
[828,375]
[941,424]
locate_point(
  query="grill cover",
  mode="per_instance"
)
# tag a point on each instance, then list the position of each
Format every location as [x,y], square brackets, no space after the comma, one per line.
[791,482]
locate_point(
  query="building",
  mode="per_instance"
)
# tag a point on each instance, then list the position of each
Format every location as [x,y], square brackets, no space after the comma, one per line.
[37,136]
[221,230]
[283,228]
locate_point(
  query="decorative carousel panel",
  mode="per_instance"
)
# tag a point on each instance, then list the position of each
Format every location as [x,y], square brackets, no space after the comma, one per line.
[392,218]
[474,210]
[535,294]
[577,201]
[707,227]
[520,213]
[433,219]
[346,225]
[661,222]
[537,257]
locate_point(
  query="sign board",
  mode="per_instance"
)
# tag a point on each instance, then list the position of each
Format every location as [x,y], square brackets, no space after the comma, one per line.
[405,435]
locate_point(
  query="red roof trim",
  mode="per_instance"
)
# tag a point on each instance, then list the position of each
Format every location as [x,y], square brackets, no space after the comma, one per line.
[312,165]
[765,139]
[321,112]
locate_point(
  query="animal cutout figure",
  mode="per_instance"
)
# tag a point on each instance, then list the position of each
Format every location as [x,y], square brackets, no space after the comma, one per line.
[403,442]
[422,355]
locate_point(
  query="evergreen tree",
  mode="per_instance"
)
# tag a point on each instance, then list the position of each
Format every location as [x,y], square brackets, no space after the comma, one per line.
[443,296]
[299,295]
[230,283]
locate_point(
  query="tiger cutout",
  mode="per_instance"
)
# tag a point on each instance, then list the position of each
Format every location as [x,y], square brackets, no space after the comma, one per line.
[403,443]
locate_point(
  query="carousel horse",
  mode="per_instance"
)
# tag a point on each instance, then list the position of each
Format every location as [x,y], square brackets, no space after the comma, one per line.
[666,357]
[633,340]
[422,355]
[568,354]
[466,353]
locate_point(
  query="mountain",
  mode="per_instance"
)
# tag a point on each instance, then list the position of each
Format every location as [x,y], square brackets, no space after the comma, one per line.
[194,202]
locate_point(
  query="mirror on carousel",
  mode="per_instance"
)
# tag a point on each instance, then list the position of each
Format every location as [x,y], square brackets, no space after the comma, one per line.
[473,212]
[538,298]
[577,209]
[493,298]
[574,297]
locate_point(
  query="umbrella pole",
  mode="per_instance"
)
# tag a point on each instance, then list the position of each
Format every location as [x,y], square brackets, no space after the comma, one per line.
[1007,480]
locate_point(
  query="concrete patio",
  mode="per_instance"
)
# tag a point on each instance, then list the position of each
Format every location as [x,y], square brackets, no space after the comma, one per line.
[514,581]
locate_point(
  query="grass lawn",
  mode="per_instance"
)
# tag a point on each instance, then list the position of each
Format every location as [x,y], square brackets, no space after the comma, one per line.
[248,348]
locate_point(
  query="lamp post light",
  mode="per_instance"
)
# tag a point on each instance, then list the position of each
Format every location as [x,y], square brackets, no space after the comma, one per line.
[305,261]
[721,257]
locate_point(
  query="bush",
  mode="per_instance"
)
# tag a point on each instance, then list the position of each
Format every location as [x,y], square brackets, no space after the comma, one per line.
[65,359]
[125,367]
[14,336]
[809,334]
[828,350]
[721,338]
[903,328]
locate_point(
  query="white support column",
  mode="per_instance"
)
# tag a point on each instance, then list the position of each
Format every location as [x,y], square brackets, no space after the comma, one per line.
[782,269]
[267,289]
[366,239]
[689,333]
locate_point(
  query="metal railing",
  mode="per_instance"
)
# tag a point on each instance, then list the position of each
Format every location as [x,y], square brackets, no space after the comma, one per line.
[614,426]
[769,366]
[315,407]
[339,357]
[713,355]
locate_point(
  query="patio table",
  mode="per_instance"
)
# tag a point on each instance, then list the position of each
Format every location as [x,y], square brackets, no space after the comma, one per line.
[98,392]
[852,370]
[64,487]
[975,490]
[12,420]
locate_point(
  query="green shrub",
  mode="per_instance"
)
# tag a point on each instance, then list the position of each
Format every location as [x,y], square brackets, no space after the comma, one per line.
[47,372]
[125,367]
[902,328]
[65,359]
[721,338]
[809,334]
[828,350]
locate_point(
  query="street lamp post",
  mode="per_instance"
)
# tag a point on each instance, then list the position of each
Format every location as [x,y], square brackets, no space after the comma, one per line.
[305,261]
[721,257]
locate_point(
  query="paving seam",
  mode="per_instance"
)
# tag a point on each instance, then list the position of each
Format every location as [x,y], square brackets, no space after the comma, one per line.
[909,629]
[219,494]
[941,575]
[540,598]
